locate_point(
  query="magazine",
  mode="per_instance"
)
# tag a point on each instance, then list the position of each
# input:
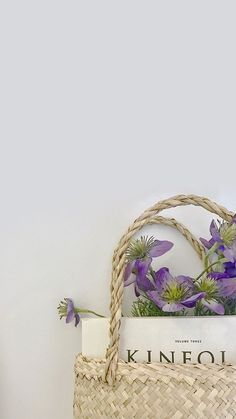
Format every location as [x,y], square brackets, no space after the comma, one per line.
[166,339]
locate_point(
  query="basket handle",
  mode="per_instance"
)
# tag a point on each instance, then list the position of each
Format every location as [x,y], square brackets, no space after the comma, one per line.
[118,263]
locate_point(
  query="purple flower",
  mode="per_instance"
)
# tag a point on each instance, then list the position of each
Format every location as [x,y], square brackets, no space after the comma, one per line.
[230,269]
[215,290]
[227,269]
[71,313]
[136,272]
[67,309]
[215,236]
[222,248]
[173,294]
[223,235]
[140,255]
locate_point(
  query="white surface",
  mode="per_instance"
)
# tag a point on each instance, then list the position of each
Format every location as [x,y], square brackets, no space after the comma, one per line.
[179,340]
[106,107]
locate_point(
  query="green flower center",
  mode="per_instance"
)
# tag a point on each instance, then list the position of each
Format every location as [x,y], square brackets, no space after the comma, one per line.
[209,286]
[175,292]
[62,309]
[140,248]
[228,233]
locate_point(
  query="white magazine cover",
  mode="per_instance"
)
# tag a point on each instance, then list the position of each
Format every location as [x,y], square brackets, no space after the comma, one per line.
[166,339]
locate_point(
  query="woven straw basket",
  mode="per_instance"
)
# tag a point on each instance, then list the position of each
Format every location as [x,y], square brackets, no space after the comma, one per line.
[112,388]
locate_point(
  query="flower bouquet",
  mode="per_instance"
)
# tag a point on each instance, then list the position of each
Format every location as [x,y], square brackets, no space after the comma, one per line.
[160,293]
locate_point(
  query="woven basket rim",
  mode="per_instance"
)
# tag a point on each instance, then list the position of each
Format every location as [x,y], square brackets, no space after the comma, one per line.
[93,368]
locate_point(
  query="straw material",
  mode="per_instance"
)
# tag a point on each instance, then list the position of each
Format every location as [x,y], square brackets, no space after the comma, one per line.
[155,391]
[111,388]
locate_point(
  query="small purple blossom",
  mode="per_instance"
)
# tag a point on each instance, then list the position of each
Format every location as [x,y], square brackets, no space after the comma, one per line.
[71,313]
[222,235]
[140,255]
[136,273]
[222,249]
[220,284]
[173,294]
[215,236]
[67,309]
[228,271]
[215,291]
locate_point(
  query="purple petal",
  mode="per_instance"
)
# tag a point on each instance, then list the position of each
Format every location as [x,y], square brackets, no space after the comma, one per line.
[70,304]
[230,265]
[162,276]
[155,298]
[144,283]
[172,307]
[160,247]
[230,269]
[215,231]
[70,316]
[191,301]
[136,290]
[229,254]
[230,273]
[70,310]
[207,244]
[77,319]
[129,276]
[214,306]
[227,287]
[186,280]
[142,267]
[218,275]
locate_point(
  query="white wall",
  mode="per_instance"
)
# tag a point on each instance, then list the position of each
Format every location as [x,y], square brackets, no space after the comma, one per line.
[106,107]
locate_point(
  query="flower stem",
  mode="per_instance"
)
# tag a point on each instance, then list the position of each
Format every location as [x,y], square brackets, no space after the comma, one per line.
[210,266]
[81,310]
[198,309]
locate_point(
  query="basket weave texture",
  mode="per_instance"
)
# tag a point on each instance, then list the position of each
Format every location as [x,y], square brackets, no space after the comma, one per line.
[112,388]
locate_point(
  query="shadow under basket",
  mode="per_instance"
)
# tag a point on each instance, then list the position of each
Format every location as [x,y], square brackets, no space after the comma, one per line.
[111,388]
